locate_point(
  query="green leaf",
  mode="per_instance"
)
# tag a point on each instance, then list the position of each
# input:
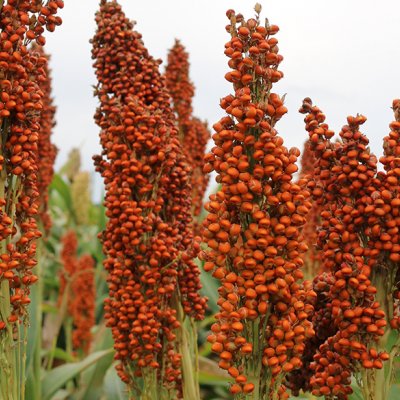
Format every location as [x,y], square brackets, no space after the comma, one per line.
[61,395]
[208,379]
[91,381]
[211,374]
[356,395]
[48,308]
[59,354]
[58,377]
[114,388]
[63,189]
[392,340]
[394,393]
[210,288]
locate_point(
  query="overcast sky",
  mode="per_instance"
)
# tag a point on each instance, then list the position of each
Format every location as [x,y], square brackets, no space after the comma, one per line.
[344,54]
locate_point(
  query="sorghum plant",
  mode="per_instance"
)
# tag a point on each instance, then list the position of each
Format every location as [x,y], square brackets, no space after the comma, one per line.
[83,305]
[148,241]
[21,70]
[47,151]
[358,237]
[73,165]
[77,290]
[312,257]
[46,156]
[193,133]
[254,222]
[80,196]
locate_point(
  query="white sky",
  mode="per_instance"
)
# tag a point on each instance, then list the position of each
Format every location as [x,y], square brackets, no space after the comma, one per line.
[344,54]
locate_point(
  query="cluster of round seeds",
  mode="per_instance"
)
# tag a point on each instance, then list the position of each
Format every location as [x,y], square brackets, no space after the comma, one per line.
[345,183]
[22,72]
[77,284]
[148,240]
[193,133]
[47,151]
[254,222]
[312,258]
[386,238]
[83,303]
[178,82]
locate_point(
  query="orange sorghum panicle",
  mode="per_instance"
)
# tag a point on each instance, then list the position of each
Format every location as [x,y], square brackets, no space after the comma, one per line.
[254,222]
[21,105]
[148,240]
[312,258]
[348,320]
[178,82]
[83,303]
[69,259]
[47,151]
[77,284]
[193,133]
[391,196]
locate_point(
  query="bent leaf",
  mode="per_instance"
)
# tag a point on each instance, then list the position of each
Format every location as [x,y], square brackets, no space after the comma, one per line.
[57,378]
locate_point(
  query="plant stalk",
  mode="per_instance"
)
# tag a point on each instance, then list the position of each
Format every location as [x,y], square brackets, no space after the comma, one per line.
[376,383]
[187,344]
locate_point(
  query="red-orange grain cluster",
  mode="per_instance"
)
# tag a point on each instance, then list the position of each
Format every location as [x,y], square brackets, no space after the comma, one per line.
[148,240]
[254,222]
[312,258]
[68,258]
[47,151]
[21,72]
[387,239]
[193,133]
[77,283]
[178,82]
[358,231]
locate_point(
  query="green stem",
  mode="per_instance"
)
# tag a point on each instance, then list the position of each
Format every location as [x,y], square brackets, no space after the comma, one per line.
[37,292]
[187,343]
[23,340]
[68,325]
[68,336]
[7,347]
[253,368]
[8,373]
[150,385]
[376,383]
[254,375]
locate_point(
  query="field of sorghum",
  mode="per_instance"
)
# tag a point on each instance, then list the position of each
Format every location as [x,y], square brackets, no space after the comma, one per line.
[284,284]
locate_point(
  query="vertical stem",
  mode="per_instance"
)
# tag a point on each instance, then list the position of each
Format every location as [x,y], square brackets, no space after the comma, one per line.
[8,373]
[376,383]
[254,373]
[187,342]
[7,347]
[36,313]
[150,385]
[68,341]
[22,355]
